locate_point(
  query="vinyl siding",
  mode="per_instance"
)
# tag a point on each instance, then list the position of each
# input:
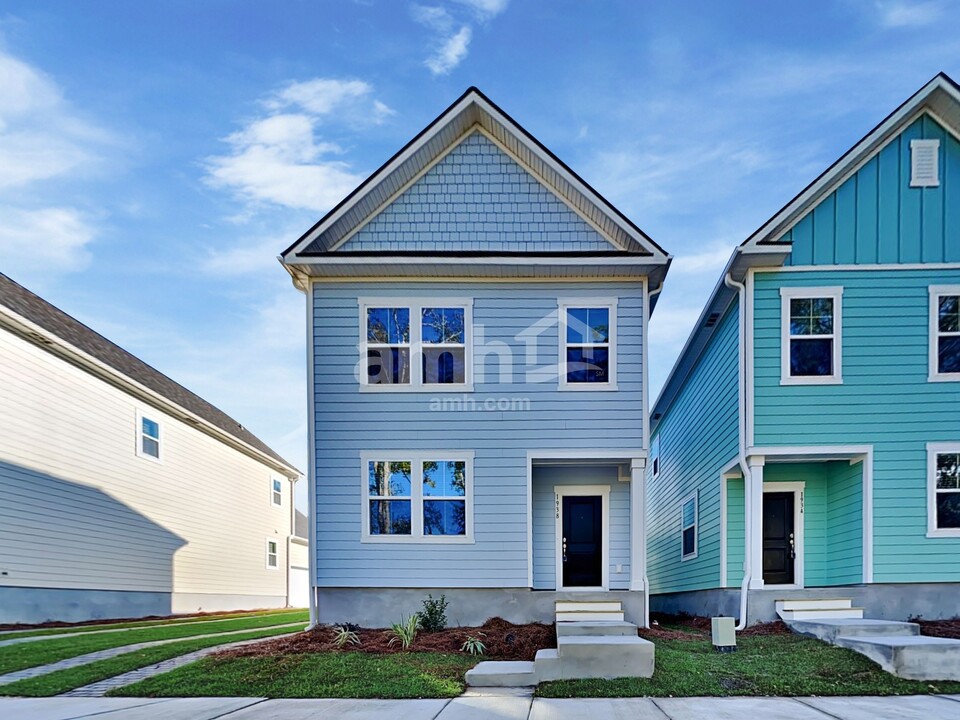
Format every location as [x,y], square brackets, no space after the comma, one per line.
[735,532]
[477,198]
[876,217]
[698,436]
[349,422]
[885,401]
[81,510]
[545,528]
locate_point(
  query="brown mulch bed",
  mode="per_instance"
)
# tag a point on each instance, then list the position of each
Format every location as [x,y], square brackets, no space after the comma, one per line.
[687,627]
[503,640]
[145,618]
[939,628]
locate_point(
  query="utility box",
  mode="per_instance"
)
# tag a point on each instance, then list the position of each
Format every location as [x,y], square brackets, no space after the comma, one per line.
[724,634]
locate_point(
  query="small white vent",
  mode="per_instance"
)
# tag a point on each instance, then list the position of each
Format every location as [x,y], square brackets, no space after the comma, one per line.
[924,163]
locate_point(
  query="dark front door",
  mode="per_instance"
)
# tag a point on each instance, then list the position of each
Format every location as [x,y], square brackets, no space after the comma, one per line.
[778,539]
[582,541]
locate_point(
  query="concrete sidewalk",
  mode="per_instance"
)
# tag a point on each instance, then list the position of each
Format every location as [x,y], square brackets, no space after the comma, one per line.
[482,706]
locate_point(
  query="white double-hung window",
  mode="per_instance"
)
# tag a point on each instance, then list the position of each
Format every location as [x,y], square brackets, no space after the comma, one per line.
[415,346]
[417,497]
[810,338]
[945,332]
[588,344]
[943,489]
[148,437]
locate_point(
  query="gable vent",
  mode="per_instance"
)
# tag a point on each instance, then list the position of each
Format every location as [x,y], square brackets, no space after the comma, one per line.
[924,163]
[711,320]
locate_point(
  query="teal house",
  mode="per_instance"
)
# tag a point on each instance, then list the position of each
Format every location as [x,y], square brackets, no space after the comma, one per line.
[807,442]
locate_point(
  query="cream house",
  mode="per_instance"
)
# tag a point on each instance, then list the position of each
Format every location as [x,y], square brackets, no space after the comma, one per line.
[123,494]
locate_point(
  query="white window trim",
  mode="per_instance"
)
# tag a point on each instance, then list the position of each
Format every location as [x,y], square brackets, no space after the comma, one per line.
[790,293]
[152,417]
[603,492]
[416,459]
[936,292]
[273,500]
[267,553]
[655,457]
[695,497]
[934,449]
[416,306]
[564,304]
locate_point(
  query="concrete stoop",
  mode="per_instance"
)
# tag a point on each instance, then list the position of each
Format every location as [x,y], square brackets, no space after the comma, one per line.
[601,645]
[897,647]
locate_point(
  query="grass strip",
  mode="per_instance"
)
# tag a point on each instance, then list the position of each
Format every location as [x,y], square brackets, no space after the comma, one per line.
[42,652]
[328,675]
[777,665]
[141,623]
[62,681]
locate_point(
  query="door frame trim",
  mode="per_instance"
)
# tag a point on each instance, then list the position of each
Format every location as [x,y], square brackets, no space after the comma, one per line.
[798,488]
[603,492]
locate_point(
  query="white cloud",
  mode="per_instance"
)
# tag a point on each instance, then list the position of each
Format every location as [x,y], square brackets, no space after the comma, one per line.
[485,9]
[452,31]
[281,159]
[248,257]
[44,240]
[451,53]
[899,14]
[709,261]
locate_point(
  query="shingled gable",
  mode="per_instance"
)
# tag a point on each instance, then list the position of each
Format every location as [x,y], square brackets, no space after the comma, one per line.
[17,304]
[589,228]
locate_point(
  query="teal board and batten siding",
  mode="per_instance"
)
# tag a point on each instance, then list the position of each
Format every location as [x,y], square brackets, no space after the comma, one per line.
[698,436]
[885,400]
[348,422]
[545,479]
[876,217]
[477,198]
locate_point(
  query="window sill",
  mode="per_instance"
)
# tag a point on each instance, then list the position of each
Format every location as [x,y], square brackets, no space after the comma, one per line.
[686,558]
[432,389]
[944,377]
[946,533]
[812,380]
[418,540]
[588,387]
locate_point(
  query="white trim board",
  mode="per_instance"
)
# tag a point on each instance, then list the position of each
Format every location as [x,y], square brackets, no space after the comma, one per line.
[787,295]
[603,492]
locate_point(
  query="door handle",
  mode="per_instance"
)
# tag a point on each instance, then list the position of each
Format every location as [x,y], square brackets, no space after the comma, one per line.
[564,549]
[793,548]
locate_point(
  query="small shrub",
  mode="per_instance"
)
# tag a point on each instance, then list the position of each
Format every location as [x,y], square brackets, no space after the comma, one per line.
[474,645]
[405,631]
[433,617]
[344,636]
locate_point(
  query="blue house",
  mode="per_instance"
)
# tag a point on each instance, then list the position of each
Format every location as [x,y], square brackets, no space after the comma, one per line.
[476,327]
[807,442]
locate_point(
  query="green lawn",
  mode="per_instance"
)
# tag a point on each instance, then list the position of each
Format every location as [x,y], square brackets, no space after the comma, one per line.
[31,654]
[329,675]
[786,665]
[93,628]
[63,680]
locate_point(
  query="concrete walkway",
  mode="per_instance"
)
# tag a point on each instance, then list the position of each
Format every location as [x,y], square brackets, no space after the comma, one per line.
[122,650]
[482,706]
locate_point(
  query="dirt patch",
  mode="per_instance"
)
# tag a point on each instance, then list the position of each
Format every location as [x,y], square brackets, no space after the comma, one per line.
[777,627]
[939,628]
[145,618]
[688,627]
[503,641]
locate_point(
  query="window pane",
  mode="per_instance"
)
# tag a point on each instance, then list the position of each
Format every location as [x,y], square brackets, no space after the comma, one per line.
[444,517]
[588,325]
[444,478]
[443,325]
[388,325]
[151,447]
[948,510]
[948,355]
[948,471]
[389,517]
[388,366]
[689,513]
[689,541]
[811,357]
[388,479]
[276,486]
[151,428]
[588,365]
[272,548]
[811,316]
[444,365]
[949,313]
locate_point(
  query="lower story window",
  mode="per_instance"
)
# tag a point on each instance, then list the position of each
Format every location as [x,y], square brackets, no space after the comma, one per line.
[944,470]
[688,528]
[273,559]
[418,496]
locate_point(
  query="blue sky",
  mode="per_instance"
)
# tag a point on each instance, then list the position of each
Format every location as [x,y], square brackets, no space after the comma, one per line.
[156,157]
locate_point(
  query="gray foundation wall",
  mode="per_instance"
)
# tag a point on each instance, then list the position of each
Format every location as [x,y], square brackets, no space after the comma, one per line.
[37,605]
[381,607]
[700,603]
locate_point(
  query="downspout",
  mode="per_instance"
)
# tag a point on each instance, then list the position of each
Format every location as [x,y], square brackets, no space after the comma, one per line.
[742,446]
[646,412]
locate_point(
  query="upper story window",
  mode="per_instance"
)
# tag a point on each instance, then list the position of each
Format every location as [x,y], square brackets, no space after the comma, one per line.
[588,345]
[688,528]
[276,492]
[945,332]
[418,497]
[655,456]
[148,437]
[395,333]
[810,336]
[943,489]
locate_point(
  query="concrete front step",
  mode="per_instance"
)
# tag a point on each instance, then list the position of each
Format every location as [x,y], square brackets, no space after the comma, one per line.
[589,606]
[605,656]
[843,614]
[914,658]
[588,627]
[828,630]
[815,604]
[589,617]
[502,673]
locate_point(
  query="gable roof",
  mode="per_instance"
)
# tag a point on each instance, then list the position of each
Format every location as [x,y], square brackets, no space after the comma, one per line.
[472,111]
[51,328]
